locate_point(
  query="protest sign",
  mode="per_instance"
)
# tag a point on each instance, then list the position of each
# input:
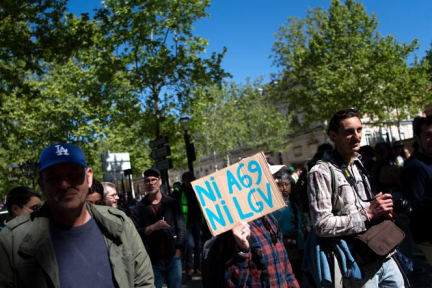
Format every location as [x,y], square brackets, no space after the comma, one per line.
[243,191]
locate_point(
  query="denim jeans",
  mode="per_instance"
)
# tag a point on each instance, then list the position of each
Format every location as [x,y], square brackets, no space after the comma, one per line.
[193,245]
[171,269]
[385,274]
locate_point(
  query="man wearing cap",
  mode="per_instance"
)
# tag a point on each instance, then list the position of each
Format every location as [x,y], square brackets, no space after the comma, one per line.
[68,242]
[159,220]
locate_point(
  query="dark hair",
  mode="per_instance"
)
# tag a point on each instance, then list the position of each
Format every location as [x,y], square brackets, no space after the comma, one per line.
[419,122]
[339,116]
[188,175]
[368,150]
[415,146]
[325,147]
[176,185]
[19,196]
[283,175]
[97,187]
[384,153]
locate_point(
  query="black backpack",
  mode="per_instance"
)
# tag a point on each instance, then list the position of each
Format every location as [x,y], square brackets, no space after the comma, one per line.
[217,251]
[301,186]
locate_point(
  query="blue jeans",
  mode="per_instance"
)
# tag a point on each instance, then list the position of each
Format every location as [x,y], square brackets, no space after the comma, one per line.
[384,274]
[193,245]
[172,269]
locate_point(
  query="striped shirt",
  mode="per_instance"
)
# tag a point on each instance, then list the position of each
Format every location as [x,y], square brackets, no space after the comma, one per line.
[327,224]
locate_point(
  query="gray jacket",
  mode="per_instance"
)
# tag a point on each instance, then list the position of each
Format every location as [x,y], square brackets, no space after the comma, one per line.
[27,257]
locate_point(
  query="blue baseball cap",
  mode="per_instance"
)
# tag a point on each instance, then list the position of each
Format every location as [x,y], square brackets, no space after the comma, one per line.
[61,153]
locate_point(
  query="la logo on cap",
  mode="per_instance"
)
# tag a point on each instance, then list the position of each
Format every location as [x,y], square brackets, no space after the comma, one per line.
[61,150]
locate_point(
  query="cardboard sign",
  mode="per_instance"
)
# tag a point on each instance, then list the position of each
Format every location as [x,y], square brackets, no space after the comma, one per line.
[244,191]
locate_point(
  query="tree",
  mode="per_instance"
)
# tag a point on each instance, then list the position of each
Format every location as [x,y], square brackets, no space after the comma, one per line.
[337,59]
[36,35]
[112,83]
[155,43]
[240,116]
[427,60]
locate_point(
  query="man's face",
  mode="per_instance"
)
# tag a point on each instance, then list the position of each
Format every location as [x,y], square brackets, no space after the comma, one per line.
[66,185]
[347,138]
[111,197]
[152,183]
[425,140]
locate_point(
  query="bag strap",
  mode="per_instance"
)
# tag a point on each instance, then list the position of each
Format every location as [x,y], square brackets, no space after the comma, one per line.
[335,191]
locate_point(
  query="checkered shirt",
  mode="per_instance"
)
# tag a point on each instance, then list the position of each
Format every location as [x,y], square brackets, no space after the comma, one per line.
[319,192]
[250,269]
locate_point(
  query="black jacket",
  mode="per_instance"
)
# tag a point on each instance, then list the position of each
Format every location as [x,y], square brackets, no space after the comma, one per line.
[175,237]
[417,184]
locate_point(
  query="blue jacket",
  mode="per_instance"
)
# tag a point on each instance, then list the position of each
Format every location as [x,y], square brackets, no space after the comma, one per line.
[318,260]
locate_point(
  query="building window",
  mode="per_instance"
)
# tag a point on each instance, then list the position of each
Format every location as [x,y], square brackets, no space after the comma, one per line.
[368,137]
[297,151]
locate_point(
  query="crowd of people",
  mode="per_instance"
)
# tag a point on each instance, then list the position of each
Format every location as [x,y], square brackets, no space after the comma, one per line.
[82,237]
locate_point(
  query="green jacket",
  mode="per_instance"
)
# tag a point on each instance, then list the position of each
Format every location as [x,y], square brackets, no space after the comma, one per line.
[27,257]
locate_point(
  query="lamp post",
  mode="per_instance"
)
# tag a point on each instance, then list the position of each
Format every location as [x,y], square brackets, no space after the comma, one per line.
[190,148]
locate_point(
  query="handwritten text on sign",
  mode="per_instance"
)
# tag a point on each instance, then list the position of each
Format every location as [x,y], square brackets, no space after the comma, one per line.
[244,191]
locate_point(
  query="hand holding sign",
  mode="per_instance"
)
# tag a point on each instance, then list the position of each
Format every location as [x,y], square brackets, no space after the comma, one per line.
[242,192]
[241,232]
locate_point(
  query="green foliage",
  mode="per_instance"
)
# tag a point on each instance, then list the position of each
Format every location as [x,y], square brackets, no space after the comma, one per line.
[337,59]
[240,116]
[427,61]
[109,84]
[154,41]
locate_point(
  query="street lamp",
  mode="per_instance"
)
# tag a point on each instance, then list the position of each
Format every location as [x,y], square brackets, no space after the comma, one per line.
[184,122]
[190,148]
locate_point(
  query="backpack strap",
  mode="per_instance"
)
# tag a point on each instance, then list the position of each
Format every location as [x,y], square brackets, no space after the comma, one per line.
[336,199]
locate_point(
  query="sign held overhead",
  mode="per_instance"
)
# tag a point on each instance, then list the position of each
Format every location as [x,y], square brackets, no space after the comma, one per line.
[244,191]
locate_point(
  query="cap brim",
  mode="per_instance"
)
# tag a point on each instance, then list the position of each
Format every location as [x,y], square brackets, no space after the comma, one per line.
[59,161]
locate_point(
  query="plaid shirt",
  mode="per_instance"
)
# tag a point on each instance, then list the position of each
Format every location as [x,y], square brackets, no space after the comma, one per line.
[267,265]
[327,224]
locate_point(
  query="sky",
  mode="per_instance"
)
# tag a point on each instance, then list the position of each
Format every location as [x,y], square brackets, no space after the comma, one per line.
[247,27]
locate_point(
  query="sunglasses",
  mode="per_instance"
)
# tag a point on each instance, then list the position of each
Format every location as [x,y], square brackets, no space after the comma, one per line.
[343,113]
[273,235]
